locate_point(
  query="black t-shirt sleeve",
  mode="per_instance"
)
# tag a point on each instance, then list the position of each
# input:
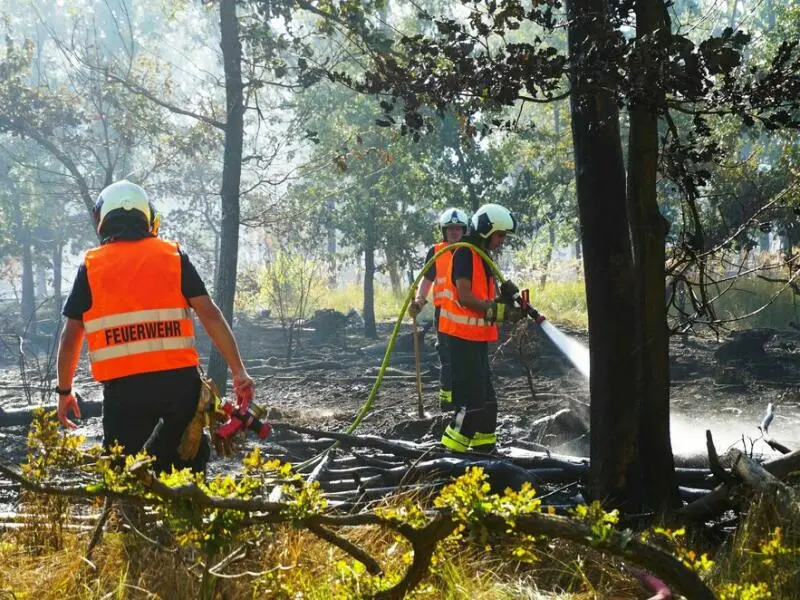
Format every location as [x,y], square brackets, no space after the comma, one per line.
[430,274]
[191,283]
[462,264]
[80,297]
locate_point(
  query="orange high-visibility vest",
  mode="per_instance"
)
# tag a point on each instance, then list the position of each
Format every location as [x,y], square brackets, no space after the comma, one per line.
[139,321]
[465,323]
[443,287]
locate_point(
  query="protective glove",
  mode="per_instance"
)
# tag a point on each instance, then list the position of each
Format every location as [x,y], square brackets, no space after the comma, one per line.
[416,307]
[223,445]
[500,311]
[192,436]
[508,291]
[510,294]
[243,387]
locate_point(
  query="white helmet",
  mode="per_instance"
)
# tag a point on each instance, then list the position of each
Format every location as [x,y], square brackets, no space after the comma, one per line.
[124,196]
[493,217]
[453,216]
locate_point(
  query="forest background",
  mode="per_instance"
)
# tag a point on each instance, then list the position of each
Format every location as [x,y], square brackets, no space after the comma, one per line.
[301,151]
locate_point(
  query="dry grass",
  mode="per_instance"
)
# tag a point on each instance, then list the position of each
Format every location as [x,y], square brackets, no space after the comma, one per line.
[121,568]
[293,563]
[287,563]
[764,549]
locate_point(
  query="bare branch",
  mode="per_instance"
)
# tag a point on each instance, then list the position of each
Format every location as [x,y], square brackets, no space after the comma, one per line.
[145,93]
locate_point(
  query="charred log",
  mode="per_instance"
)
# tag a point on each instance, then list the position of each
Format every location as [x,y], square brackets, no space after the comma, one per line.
[744,345]
[24,416]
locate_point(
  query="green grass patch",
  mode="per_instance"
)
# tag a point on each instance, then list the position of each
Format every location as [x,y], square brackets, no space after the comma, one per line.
[745,303]
[387,304]
[561,302]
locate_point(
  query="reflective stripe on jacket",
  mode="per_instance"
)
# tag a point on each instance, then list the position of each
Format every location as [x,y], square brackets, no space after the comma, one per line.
[139,321]
[443,288]
[465,323]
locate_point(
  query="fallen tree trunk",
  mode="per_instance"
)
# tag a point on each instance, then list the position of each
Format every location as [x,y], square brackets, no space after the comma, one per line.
[398,448]
[762,481]
[762,478]
[783,465]
[501,474]
[693,477]
[24,416]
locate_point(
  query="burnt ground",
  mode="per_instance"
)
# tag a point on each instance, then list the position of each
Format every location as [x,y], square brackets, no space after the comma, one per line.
[722,385]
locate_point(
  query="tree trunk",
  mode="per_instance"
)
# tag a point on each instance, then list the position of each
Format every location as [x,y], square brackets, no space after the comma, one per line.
[734,11]
[225,288]
[40,287]
[557,119]
[370,330]
[466,175]
[28,289]
[394,274]
[23,234]
[648,236]
[551,230]
[58,261]
[215,277]
[331,235]
[615,477]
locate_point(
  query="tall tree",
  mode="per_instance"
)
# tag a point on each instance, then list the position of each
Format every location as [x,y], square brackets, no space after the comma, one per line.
[231,176]
[608,261]
[55,99]
[647,101]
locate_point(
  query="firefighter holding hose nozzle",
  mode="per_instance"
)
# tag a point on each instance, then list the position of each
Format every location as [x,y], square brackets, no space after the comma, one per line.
[470,321]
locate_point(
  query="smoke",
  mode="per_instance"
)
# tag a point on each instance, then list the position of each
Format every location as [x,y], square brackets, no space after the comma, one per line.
[728,430]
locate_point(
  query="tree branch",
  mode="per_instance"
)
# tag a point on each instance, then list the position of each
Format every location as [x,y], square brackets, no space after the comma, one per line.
[141,91]
[373,568]
[621,544]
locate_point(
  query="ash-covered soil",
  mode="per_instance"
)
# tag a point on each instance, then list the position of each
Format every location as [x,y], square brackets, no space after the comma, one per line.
[721,385]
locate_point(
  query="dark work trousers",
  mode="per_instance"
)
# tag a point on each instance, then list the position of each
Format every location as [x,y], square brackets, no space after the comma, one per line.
[474,400]
[443,349]
[132,406]
[445,372]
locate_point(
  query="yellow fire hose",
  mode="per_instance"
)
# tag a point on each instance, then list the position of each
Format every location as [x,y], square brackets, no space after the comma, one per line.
[420,407]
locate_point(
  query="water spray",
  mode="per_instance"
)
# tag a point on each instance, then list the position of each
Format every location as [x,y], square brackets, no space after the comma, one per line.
[576,353]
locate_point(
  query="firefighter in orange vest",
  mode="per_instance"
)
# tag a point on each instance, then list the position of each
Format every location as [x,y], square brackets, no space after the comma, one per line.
[470,321]
[131,300]
[453,223]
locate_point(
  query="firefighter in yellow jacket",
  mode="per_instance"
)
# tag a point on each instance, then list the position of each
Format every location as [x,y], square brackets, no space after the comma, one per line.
[453,224]
[131,300]
[470,320]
